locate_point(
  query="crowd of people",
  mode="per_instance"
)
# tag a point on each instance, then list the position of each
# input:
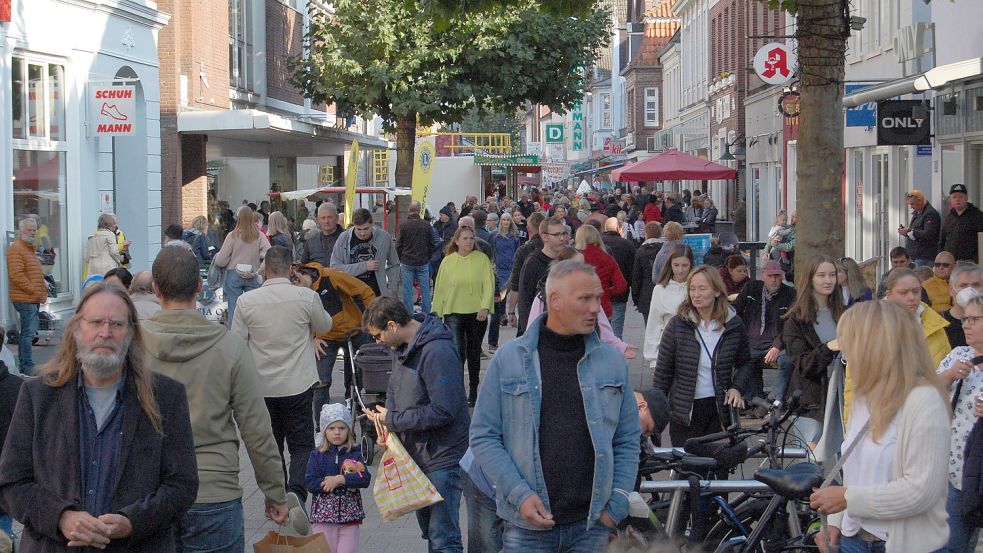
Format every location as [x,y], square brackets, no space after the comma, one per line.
[153,399]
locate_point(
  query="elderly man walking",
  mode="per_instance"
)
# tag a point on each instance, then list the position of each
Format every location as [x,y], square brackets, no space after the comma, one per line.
[320,242]
[556,425]
[225,401]
[278,321]
[99,453]
[27,290]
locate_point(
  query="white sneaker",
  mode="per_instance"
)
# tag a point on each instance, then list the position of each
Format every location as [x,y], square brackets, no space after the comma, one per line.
[298,515]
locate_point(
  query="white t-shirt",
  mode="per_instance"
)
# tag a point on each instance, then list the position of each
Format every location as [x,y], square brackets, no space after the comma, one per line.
[870,464]
[963,419]
[710,334]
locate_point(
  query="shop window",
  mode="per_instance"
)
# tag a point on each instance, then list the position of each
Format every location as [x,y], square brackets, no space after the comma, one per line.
[39,159]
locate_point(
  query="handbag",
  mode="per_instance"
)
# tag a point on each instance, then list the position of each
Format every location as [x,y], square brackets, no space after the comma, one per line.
[400,486]
[279,543]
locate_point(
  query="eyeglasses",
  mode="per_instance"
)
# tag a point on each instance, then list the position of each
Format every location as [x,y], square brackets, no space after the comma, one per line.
[970,320]
[557,234]
[114,325]
[946,265]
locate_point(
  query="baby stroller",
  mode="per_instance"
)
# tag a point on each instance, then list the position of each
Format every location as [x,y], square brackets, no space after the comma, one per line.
[372,366]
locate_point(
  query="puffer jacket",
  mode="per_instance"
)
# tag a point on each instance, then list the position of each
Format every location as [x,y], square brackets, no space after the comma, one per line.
[679,362]
[338,290]
[25,275]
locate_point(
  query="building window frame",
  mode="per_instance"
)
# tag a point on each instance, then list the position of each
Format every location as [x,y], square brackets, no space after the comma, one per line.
[241,48]
[651,106]
[604,105]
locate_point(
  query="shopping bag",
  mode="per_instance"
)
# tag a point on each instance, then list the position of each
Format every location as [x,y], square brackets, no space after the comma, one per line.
[279,543]
[400,486]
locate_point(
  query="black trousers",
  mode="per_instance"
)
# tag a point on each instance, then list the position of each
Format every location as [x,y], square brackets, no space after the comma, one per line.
[705,420]
[291,420]
[468,335]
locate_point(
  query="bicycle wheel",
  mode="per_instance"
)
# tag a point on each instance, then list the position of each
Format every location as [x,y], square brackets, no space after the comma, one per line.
[727,536]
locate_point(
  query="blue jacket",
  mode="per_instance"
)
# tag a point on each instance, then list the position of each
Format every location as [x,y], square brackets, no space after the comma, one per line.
[328,463]
[426,402]
[504,246]
[504,432]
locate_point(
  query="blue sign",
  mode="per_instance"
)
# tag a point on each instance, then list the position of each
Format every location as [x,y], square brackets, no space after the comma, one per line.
[700,244]
[923,150]
[864,115]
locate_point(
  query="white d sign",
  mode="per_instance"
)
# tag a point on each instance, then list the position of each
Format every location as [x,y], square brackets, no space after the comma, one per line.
[112,110]
[775,63]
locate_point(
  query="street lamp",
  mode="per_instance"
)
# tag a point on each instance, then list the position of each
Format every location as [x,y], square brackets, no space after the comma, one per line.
[738,154]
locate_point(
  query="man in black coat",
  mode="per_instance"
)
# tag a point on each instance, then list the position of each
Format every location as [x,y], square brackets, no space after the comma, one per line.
[100,451]
[556,235]
[922,232]
[414,246]
[761,305]
[673,212]
[535,243]
[961,225]
[623,252]
[641,270]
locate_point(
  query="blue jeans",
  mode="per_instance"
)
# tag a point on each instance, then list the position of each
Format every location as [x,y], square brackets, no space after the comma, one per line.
[440,523]
[212,528]
[7,524]
[234,287]
[495,323]
[756,386]
[420,273]
[618,318]
[568,538]
[484,526]
[962,538]
[28,313]
[854,544]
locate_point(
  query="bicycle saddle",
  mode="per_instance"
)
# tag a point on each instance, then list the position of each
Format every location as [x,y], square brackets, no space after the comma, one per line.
[794,482]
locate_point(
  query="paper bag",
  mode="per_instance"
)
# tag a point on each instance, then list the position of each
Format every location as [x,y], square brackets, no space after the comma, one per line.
[400,486]
[279,543]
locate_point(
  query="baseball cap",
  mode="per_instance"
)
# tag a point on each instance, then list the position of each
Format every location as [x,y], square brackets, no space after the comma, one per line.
[958,188]
[773,267]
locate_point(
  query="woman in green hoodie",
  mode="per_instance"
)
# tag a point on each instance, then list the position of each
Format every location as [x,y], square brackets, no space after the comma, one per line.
[463,296]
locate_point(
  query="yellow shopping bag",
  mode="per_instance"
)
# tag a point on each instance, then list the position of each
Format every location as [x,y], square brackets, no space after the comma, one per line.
[400,486]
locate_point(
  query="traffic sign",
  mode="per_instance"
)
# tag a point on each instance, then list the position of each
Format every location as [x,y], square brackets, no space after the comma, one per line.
[554,133]
[775,63]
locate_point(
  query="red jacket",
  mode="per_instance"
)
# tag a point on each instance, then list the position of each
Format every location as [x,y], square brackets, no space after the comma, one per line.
[612,281]
[652,213]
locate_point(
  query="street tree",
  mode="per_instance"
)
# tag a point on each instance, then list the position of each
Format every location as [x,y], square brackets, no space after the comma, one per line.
[412,66]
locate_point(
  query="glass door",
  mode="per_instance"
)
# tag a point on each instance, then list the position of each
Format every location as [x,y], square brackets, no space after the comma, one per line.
[880,178]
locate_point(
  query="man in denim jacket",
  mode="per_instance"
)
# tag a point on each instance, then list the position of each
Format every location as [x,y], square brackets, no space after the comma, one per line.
[556,425]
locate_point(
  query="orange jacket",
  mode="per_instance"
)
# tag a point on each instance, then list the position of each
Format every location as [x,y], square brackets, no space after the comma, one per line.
[349,319]
[24,272]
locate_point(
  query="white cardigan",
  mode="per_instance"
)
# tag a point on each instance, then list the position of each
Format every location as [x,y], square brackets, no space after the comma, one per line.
[914,500]
[665,303]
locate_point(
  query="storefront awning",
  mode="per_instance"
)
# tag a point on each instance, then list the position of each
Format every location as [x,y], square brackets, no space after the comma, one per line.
[933,78]
[524,161]
[259,126]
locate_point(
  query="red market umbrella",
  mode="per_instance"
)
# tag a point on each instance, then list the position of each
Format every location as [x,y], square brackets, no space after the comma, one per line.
[675,165]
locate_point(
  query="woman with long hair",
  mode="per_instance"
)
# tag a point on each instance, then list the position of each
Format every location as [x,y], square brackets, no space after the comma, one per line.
[704,359]
[893,494]
[588,241]
[810,339]
[197,238]
[504,242]
[668,294]
[241,255]
[734,274]
[604,329]
[463,296]
[279,232]
[852,282]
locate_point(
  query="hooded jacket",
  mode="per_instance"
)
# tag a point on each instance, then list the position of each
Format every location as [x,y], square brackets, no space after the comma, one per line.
[337,290]
[222,384]
[387,275]
[426,403]
[464,285]
[612,281]
[679,363]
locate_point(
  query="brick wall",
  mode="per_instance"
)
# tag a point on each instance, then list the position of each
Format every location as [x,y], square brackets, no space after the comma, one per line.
[638,79]
[284,39]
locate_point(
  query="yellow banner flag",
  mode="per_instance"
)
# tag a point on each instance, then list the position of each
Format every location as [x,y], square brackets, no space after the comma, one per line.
[423,171]
[350,177]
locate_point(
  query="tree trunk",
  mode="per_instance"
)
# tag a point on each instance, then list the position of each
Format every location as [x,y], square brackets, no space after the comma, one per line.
[405,146]
[821,35]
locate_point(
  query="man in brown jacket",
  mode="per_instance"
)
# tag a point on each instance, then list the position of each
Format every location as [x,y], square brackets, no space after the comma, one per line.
[27,289]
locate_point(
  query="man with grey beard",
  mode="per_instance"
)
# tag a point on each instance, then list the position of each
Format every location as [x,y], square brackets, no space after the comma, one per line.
[99,454]
[27,289]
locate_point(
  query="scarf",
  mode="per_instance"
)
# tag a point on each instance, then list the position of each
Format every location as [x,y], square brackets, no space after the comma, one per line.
[766,297]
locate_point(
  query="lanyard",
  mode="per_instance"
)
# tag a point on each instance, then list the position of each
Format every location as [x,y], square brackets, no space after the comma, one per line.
[705,348]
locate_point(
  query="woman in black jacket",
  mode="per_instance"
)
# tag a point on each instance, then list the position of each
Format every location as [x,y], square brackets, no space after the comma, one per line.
[704,359]
[810,339]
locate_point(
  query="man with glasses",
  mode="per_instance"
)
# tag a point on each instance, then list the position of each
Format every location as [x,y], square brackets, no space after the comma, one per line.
[922,232]
[556,236]
[937,287]
[426,408]
[965,276]
[99,453]
[367,252]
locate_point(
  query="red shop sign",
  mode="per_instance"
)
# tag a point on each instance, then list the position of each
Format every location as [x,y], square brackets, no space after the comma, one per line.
[5,11]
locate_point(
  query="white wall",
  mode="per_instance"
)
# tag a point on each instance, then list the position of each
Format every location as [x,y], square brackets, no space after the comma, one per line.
[244,178]
[453,179]
[957,30]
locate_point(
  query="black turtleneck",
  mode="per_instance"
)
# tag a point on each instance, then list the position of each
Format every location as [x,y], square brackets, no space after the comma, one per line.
[565,446]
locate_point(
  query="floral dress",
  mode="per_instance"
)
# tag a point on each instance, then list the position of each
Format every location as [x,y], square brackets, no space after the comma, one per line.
[963,418]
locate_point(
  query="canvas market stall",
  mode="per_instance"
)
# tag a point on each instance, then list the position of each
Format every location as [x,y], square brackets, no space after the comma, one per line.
[334,193]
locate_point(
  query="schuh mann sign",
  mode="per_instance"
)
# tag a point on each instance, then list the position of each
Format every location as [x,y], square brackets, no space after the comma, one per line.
[112,110]
[903,122]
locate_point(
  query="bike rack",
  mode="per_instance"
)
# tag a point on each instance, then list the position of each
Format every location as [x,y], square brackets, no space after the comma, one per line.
[787,453]
[717,486]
